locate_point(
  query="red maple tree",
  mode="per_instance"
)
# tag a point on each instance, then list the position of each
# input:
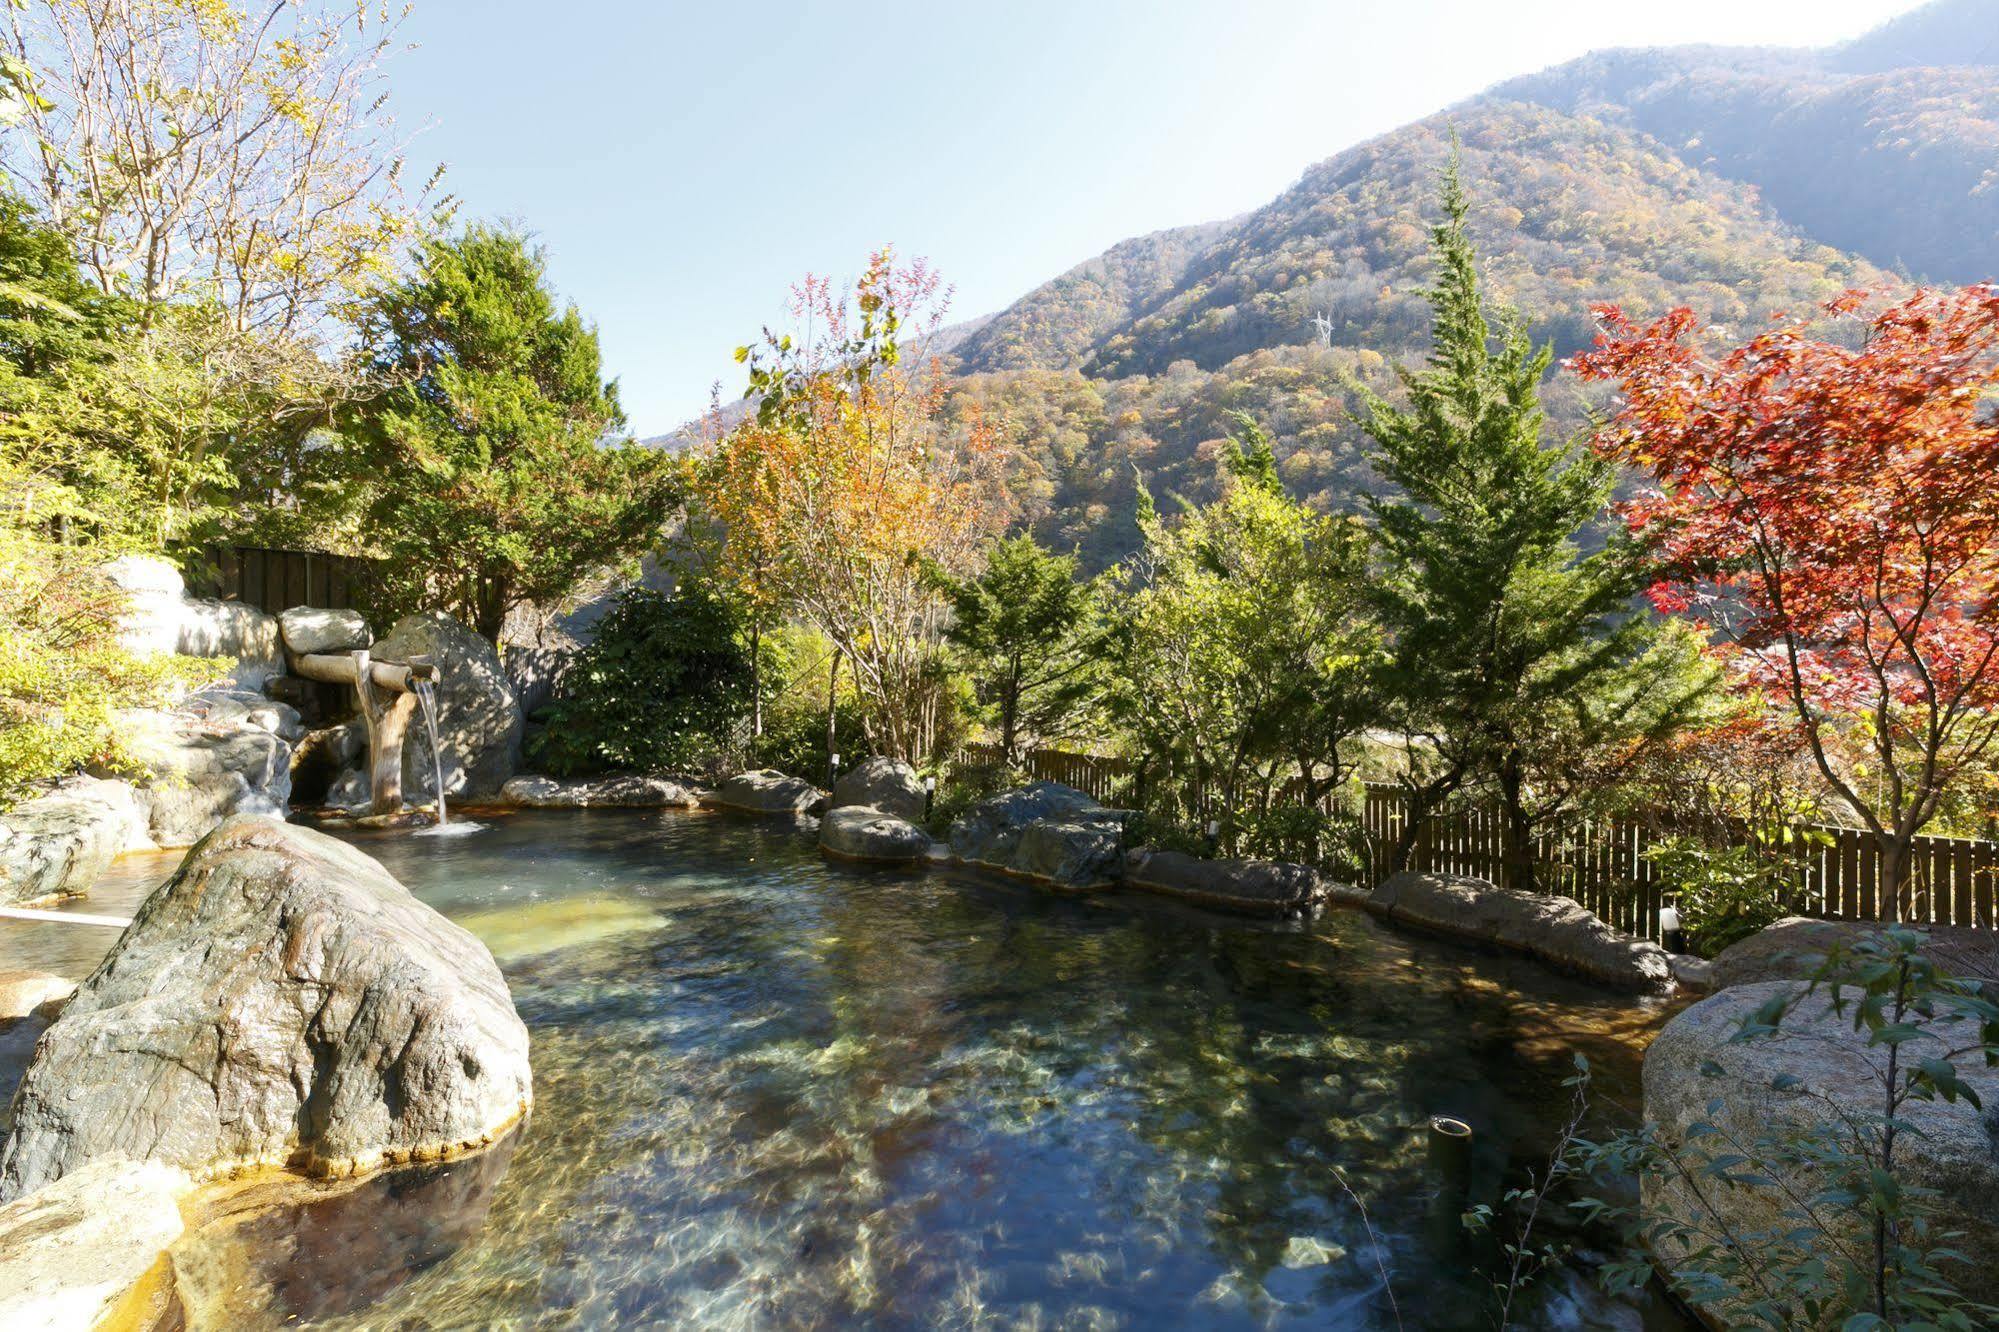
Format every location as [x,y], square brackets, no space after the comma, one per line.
[1828,502]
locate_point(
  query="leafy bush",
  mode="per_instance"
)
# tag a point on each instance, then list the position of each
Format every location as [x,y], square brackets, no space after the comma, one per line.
[659,689]
[964,784]
[63,672]
[794,738]
[1724,894]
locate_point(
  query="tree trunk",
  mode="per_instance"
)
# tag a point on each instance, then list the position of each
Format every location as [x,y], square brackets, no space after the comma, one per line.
[1517,855]
[490,609]
[756,677]
[1892,866]
[832,713]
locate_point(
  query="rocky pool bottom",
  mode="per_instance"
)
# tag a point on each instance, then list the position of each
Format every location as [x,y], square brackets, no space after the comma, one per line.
[774,1090]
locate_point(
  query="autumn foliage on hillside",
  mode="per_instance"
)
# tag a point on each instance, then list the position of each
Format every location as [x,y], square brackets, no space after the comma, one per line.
[1831,506]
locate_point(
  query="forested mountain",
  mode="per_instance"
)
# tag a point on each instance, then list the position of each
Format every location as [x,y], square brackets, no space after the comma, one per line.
[1738,181]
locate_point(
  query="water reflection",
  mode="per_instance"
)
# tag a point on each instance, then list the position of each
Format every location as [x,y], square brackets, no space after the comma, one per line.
[772,1090]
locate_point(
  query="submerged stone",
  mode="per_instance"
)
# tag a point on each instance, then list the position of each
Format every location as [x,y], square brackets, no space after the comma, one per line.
[551,925]
[280,1001]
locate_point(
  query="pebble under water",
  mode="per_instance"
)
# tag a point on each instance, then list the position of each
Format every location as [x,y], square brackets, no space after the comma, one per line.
[772,1091]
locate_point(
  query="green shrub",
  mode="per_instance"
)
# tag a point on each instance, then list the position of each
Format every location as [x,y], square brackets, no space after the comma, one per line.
[661,688]
[1724,894]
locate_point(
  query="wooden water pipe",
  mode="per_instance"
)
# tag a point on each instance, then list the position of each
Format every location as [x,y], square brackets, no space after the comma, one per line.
[388,701]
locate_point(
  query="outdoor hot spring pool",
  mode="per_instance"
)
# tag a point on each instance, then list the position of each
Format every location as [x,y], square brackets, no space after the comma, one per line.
[773,1091]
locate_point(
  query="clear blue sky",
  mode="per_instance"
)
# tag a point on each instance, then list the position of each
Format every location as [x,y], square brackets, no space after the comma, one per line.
[685,162]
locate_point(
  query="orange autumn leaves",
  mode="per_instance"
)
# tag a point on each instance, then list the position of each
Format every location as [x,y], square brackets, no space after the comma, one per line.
[846,492]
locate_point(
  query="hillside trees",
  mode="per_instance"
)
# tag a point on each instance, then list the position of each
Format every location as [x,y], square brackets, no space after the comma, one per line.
[1830,508]
[849,489]
[1245,649]
[1515,655]
[490,468]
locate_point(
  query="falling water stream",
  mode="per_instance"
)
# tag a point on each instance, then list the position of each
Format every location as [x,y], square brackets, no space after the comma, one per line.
[426,701]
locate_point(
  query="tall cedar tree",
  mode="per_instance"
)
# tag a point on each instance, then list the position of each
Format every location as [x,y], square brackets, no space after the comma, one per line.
[1030,632]
[495,477]
[1510,647]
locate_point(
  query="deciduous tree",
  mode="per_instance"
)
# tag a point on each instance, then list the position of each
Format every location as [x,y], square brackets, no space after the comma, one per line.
[1830,508]
[235,153]
[848,488]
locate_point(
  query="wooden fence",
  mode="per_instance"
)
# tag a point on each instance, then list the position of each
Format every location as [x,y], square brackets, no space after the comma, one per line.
[275,580]
[1606,864]
[1099,776]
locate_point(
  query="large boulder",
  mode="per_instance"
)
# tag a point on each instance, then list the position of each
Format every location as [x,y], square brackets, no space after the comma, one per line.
[1793,947]
[623,791]
[309,629]
[1695,1073]
[859,832]
[1046,831]
[280,1001]
[161,618]
[767,791]
[200,770]
[57,844]
[1264,887]
[886,784]
[479,720]
[1557,930]
[85,1252]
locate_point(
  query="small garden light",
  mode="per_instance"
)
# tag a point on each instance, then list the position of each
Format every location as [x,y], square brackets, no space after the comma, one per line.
[1670,934]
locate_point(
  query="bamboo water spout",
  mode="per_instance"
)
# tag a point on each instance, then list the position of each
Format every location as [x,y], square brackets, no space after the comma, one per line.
[388,692]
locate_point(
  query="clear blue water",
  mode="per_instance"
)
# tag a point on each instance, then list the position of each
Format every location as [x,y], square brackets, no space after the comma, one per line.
[772,1091]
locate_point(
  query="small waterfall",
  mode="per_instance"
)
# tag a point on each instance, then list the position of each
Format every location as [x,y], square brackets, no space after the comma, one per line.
[426,701]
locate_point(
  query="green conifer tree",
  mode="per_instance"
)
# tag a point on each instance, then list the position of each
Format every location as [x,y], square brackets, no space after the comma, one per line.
[495,472]
[1513,649]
